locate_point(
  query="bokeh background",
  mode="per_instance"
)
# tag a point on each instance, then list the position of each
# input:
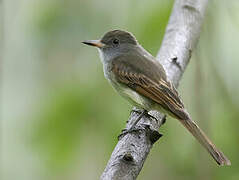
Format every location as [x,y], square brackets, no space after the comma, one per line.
[60,118]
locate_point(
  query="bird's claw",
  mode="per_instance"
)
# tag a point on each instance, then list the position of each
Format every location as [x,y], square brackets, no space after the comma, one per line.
[145,114]
[127,131]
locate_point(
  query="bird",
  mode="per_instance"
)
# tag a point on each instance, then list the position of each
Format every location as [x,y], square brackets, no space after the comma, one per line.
[139,78]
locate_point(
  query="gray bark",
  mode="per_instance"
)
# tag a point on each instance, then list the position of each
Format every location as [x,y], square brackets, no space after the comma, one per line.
[180,38]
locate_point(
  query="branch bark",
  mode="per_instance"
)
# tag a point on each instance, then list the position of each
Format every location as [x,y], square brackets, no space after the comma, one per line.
[180,38]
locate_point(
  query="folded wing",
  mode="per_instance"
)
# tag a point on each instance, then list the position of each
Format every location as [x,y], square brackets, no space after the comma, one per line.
[156,87]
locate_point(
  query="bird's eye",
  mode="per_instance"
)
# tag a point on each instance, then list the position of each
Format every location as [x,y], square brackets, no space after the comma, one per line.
[115,41]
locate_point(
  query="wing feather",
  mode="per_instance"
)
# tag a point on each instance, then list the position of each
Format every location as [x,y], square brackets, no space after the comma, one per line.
[158,89]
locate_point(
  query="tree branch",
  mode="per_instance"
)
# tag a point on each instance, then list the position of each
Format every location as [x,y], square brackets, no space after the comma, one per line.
[180,38]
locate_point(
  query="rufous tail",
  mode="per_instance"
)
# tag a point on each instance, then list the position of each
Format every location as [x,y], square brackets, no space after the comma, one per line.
[217,155]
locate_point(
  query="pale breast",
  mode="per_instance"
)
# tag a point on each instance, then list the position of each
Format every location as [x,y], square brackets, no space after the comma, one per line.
[130,95]
[135,99]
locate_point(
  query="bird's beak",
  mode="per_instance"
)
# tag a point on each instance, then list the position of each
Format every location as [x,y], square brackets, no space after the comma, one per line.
[95,43]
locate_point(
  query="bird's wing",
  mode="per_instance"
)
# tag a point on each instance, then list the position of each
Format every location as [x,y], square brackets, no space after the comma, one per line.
[152,84]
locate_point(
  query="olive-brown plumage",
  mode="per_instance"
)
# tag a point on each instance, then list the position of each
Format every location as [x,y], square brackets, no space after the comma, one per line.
[154,86]
[138,77]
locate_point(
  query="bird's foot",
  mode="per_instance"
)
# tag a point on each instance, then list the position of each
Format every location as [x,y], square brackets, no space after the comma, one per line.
[152,134]
[127,131]
[136,111]
[145,114]
[132,128]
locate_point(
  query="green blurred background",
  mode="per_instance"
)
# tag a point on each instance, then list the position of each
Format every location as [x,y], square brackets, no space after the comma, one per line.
[60,118]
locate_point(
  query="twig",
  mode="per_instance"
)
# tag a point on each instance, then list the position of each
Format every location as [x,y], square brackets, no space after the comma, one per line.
[180,38]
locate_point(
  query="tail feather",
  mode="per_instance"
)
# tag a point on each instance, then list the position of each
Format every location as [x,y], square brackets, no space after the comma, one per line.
[217,155]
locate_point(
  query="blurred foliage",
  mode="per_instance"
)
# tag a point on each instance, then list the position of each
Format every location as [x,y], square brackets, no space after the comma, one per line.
[63,116]
[60,116]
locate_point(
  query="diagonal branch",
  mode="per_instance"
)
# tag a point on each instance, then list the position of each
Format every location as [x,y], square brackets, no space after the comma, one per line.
[180,38]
